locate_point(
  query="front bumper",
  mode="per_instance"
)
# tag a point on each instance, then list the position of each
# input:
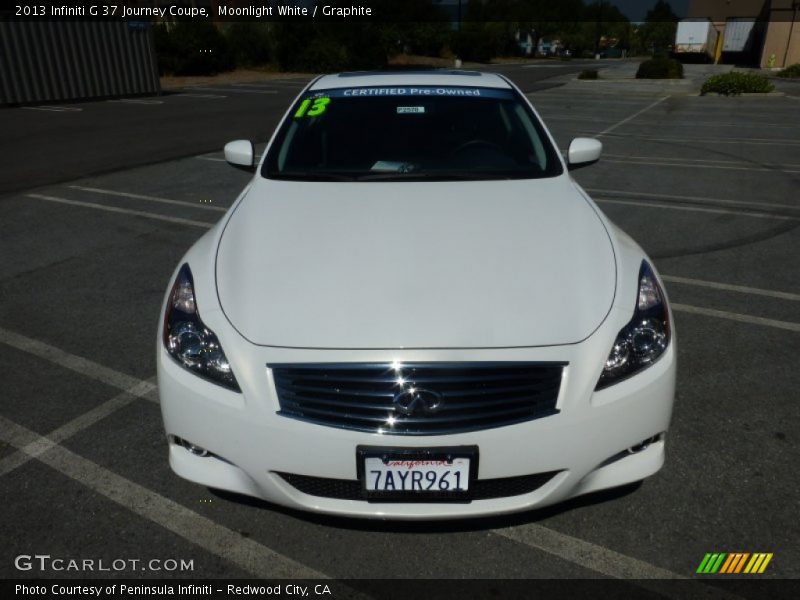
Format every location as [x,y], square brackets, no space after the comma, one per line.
[585,443]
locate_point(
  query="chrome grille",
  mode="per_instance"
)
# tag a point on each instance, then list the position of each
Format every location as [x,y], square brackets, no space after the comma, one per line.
[418,398]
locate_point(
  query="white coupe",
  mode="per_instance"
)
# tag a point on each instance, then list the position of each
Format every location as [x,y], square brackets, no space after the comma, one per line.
[412,311]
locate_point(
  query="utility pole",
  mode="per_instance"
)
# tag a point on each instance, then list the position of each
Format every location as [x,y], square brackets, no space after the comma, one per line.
[597,30]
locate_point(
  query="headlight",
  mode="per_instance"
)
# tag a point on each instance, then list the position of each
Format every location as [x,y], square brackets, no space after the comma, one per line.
[644,338]
[188,340]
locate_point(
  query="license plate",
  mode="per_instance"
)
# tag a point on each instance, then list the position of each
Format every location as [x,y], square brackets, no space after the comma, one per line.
[414,474]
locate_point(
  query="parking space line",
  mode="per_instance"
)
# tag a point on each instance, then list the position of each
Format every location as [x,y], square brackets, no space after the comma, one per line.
[693,165]
[145,389]
[716,140]
[701,160]
[589,555]
[723,314]
[742,289]
[632,117]
[53,108]
[135,101]
[190,95]
[148,198]
[73,362]
[235,90]
[608,562]
[697,199]
[288,85]
[125,211]
[719,211]
[245,553]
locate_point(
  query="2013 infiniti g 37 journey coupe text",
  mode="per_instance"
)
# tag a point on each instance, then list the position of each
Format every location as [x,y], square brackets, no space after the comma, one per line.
[412,311]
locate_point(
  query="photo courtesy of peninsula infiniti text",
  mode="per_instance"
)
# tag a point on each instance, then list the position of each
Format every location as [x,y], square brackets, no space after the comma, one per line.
[413,311]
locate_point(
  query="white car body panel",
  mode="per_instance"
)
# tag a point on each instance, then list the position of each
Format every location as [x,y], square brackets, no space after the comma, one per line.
[415,265]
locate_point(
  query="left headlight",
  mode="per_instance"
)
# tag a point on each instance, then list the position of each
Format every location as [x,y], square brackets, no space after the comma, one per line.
[188,340]
[644,338]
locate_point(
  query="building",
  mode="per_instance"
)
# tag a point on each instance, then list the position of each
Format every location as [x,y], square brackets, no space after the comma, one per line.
[769,30]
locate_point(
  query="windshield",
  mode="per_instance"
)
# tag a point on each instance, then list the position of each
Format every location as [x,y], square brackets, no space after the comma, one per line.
[398,133]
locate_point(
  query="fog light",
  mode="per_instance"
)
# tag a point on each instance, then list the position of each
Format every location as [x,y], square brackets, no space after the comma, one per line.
[644,444]
[193,448]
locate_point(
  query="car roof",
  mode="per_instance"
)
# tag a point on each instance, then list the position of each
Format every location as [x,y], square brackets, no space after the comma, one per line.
[447,77]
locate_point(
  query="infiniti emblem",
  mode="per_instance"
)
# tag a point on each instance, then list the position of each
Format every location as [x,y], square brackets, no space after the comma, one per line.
[417,401]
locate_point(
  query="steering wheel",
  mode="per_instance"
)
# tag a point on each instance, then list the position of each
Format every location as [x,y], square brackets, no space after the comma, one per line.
[475,144]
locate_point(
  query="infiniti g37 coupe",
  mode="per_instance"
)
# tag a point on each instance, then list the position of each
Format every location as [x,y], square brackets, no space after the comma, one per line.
[412,311]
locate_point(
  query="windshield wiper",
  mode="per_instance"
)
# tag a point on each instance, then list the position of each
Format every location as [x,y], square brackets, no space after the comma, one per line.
[311,176]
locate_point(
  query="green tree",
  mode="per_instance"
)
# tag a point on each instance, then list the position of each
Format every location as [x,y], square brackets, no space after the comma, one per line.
[658,32]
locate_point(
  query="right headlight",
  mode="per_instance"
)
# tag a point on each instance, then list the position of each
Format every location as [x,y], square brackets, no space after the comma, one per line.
[644,338]
[189,341]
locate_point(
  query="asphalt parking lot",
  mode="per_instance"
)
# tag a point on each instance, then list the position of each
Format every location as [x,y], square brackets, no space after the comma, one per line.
[708,186]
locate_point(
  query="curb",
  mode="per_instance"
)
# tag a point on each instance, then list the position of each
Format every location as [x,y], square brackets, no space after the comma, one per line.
[745,95]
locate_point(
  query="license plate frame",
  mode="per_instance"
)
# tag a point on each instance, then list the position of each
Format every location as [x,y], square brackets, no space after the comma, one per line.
[405,453]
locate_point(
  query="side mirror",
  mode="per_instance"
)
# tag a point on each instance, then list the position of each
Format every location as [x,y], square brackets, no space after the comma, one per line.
[241,154]
[583,152]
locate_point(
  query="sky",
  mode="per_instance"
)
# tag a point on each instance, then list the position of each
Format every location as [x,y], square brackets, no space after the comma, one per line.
[635,10]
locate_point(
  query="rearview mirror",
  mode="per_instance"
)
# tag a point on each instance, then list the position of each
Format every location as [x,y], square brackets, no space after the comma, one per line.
[241,154]
[583,152]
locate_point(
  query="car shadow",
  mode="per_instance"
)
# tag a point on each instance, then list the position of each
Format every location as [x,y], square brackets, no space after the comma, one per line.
[436,526]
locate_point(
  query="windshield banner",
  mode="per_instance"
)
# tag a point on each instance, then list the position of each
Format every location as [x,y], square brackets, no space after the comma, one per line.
[430,91]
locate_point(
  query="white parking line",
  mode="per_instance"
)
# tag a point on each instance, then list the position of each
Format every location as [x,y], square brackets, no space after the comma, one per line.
[286,85]
[592,556]
[148,198]
[698,160]
[716,140]
[189,95]
[723,314]
[243,552]
[124,211]
[145,389]
[719,211]
[632,117]
[693,165]
[699,199]
[53,108]
[134,101]
[610,563]
[81,365]
[256,158]
[235,90]
[742,289]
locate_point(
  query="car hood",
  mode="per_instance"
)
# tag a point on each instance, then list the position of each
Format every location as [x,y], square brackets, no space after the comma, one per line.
[474,264]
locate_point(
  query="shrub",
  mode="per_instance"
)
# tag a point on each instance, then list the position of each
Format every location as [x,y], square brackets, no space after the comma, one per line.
[791,71]
[588,74]
[660,68]
[732,84]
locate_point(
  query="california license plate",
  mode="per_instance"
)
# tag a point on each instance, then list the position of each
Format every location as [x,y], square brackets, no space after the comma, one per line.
[414,474]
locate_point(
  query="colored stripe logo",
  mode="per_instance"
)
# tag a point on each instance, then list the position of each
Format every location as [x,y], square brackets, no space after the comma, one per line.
[734,563]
